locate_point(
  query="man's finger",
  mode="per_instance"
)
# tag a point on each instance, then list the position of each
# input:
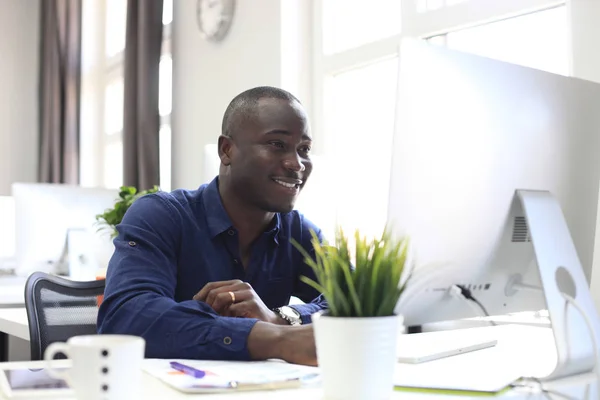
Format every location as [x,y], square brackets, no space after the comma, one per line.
[201,295]
[236,287]
[225,300]
[242,310]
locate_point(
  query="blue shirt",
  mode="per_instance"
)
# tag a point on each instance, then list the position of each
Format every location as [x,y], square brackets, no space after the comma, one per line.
[172,244]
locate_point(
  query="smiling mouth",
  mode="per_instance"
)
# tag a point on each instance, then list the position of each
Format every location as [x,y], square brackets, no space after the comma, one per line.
[289,185]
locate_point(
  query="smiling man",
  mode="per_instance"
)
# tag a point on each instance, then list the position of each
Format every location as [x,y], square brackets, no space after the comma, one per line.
[208,273]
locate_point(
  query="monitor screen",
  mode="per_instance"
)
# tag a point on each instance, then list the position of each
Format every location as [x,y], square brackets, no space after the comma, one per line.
[50,216]
[470,131]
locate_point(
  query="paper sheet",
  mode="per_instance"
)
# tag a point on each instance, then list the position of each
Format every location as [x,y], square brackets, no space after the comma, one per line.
[254,375]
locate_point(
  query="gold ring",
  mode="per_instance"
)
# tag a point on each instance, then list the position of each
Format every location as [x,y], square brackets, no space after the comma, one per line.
[232,297]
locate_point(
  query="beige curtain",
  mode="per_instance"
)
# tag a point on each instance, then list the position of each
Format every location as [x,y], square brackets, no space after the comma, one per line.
[141,117]
[60,81]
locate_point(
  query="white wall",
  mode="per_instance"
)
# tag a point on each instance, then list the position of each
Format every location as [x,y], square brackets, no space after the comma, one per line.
[585,38]
[585,41]
[206,75]
[19,30]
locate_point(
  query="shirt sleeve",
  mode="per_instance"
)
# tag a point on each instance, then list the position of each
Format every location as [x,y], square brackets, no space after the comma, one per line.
[314,301]
[139,298]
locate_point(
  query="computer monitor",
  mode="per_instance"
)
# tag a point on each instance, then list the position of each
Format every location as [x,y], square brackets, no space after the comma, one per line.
[7,232]
[495,178]
[470,131]
[45,213]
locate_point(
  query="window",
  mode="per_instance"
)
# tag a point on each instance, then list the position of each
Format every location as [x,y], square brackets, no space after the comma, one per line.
[432,5]
[116,13]
[355,63]
[113,107]
[165,93]
[513,40]
[351,23]
[361,105]
[102,93]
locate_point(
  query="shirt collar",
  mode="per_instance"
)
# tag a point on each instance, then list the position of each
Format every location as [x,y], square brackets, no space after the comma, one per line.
[217,219]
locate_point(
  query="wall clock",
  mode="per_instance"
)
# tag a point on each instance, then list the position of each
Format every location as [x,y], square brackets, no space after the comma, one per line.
[214,18]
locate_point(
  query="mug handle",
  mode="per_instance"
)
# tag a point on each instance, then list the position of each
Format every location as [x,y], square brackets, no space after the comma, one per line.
[51,351]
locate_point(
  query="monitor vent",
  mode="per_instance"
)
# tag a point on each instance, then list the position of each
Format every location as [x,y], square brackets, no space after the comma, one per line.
[520,232]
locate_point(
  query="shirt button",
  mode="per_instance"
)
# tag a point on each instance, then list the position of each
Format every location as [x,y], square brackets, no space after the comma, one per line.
[132,243]
[227,340]
[235,261]
[231,232]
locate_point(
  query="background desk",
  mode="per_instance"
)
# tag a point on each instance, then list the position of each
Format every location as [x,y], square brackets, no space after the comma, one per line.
[12,291]
[13,322]
[12,294]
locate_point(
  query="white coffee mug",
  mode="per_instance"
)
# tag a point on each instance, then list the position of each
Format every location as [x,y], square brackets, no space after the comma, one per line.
[105,367]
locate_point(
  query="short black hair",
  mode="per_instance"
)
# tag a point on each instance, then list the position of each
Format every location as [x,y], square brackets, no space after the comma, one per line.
[243,106]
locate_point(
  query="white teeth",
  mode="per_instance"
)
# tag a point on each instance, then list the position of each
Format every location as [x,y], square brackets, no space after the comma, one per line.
[287,185]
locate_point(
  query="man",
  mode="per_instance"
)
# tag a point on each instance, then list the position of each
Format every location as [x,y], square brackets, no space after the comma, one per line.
[204,273]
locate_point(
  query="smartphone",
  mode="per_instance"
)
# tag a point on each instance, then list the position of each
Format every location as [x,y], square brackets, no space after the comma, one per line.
[28,383]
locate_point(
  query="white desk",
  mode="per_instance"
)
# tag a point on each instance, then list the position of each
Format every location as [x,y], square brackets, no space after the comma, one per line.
[12,294]
[12,291]
[155,389]
[13,321]
[528,349]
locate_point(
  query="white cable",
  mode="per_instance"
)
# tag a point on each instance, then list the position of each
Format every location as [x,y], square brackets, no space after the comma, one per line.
[572,302]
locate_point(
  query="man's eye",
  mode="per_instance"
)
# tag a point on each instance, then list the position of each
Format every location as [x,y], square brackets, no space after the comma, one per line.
[305,149]
[278,145]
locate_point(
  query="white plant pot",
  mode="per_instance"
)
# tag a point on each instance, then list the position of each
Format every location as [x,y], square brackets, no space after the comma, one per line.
[357,356]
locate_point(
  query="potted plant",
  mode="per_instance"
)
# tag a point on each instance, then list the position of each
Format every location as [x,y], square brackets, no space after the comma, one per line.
[356,337]
[111,217]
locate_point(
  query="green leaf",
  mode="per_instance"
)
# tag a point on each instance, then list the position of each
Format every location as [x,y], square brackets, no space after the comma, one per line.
[112,217]
[373,287]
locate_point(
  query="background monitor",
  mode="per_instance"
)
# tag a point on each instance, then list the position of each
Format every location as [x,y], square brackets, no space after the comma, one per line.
[7,233]
[469,132]
[44,213]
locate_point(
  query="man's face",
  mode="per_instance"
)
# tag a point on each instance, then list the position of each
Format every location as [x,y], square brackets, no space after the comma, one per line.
[269,155]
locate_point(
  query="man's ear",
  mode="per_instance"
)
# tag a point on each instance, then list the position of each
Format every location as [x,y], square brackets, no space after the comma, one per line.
[225,145]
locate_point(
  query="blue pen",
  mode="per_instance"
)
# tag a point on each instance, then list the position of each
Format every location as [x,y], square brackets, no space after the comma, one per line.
[186,369]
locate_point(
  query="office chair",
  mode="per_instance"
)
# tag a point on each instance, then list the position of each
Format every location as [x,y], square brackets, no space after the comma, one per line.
[58,308]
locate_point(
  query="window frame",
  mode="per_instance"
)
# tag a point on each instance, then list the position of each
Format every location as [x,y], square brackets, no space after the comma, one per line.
[422,25]
[102,71]
[414,24]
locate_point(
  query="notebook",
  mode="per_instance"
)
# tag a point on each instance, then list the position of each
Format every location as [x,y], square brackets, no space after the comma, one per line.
[226,376]
[473,375]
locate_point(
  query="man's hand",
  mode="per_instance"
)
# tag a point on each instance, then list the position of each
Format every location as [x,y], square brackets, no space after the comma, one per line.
[237,299]
[294,344]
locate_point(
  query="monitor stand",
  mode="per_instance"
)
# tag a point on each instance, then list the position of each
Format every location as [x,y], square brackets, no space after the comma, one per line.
[563,280]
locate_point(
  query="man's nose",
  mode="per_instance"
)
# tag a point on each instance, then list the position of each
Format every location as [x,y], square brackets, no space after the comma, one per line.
[294,163]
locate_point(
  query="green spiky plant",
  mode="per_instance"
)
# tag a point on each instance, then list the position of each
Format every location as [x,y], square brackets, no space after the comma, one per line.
[371,286]
[111,217]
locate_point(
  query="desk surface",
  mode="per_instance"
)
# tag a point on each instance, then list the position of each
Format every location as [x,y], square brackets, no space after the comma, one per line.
[12,291]
[13,321]
[524,347]
[155,389]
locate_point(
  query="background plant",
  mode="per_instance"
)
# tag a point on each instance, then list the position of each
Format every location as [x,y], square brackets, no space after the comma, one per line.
[369,287]
[111,217]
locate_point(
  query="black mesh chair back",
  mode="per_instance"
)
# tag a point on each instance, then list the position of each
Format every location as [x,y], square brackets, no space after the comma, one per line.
[58,308]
